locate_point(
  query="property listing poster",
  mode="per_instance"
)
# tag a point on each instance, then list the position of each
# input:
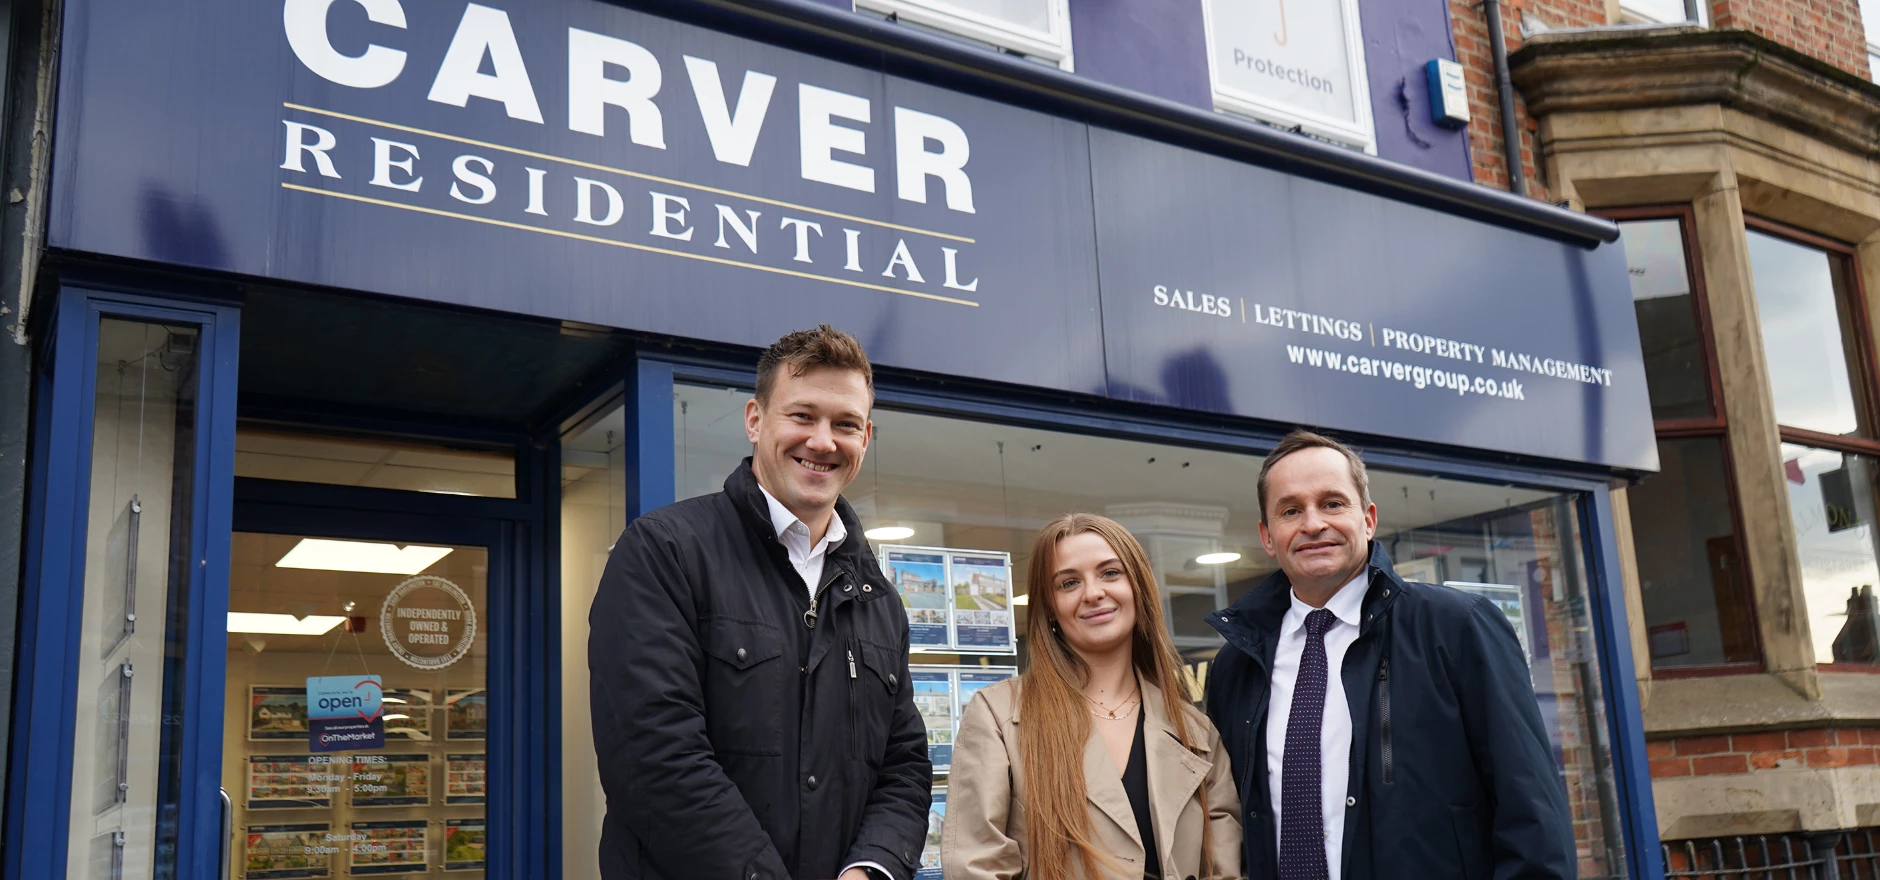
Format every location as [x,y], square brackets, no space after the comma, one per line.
[463,844]
[277,713]
[982,600]
[289,782]
[408,715]
[958,601]
[933,698]
[930,852]
[391,780]
[920,577]
[389,848]
[463,779]
[978,679]
[467,714]
[288,852]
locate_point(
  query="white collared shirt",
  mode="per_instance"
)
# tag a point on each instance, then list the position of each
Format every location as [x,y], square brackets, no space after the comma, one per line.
[1335,734]
[794,533]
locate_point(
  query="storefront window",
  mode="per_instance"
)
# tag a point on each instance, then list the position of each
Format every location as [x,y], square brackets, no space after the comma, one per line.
[1804,304]
[938,495]
[1693,582]
[354,740]
[1691,575]
[593,514]
[1677,369]
[136,567]
[1831,500]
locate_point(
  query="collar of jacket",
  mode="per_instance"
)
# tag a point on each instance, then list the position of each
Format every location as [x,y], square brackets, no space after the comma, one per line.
[1255,619]
[741,487]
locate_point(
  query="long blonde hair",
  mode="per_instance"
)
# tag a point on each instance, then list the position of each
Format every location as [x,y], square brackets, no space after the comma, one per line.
[1055,719]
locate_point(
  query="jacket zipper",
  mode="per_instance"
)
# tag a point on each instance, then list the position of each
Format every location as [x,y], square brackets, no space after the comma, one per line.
[855,734]
[809,617]
[1383,684]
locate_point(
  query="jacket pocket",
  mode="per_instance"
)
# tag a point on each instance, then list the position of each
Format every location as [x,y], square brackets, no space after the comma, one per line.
[874,682]
[745,684]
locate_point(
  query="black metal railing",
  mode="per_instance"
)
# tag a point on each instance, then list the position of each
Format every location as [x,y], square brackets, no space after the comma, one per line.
[1833,855]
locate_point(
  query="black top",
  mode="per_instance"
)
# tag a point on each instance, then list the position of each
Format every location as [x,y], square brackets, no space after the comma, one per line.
[1136,785]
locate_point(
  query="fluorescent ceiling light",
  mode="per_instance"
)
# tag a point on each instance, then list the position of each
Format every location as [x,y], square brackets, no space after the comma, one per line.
[1022,600]
[1217,558]
[889,533]
[396,717]
[322,554]
[281,624]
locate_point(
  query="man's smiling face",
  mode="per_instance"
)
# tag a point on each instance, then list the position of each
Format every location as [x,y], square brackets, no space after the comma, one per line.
[808,439]
[1317,526]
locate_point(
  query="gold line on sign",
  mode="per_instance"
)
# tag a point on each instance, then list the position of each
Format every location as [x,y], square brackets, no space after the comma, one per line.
[626,244]
[622,171]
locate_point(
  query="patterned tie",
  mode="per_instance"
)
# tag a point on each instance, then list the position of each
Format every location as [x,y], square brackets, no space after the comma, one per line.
[1302,807]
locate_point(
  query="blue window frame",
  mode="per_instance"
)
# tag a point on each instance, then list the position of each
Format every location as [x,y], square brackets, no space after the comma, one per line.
[653,485]
[42,751]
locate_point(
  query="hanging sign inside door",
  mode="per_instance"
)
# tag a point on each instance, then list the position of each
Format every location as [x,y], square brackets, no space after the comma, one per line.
[345,712]
[428,622]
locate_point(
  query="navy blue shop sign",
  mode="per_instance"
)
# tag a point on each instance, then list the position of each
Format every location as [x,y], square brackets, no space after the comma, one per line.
[580,161]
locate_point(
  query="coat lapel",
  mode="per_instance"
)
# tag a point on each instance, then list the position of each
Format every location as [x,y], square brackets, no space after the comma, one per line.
[1174,772]
[1103,787]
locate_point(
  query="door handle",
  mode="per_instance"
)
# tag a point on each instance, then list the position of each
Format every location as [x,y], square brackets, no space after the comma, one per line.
[228,835]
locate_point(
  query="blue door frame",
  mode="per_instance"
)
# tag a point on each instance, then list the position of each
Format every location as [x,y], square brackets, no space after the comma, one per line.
[653,486]
[523,745]
[45,707]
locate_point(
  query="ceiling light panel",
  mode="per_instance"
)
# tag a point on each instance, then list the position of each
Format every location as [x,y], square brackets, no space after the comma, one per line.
[281,624]
[323,554]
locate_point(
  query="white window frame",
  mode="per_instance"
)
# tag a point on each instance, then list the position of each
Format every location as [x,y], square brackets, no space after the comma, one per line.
[1629,13]
[1053,46]
[1361,134]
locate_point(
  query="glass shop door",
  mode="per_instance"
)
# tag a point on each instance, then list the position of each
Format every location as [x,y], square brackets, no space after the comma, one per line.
[353,743]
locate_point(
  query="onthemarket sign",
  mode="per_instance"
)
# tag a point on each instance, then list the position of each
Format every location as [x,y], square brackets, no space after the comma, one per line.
[581,161]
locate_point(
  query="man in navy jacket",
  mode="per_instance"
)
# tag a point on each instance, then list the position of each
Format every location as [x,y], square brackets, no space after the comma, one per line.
[1378,728]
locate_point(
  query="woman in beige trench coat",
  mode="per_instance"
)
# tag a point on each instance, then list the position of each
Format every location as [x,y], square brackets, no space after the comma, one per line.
[1093,765]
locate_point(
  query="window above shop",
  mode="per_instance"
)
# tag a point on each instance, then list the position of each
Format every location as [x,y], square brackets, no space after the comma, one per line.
[1870,18]
[1039,30]
[1664,12]
[1298,66]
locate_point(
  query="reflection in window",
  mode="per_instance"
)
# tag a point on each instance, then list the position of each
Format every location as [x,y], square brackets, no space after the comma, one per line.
[1803,303]
[1675,367]
[949,482]
[1831,500]
[1691,577]
[593,514]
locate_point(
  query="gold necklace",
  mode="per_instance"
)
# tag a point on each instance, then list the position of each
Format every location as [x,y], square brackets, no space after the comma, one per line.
[1109,712]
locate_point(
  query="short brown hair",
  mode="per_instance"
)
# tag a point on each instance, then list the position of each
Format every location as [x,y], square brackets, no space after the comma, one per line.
[1303,439]
[805,350]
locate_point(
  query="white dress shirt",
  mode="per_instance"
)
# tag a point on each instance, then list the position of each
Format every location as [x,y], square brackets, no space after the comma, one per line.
[808,562]
[1335,736]
[794,533]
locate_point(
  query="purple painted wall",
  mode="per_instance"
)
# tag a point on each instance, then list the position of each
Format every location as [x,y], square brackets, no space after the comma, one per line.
[1400,36]
[1154,46]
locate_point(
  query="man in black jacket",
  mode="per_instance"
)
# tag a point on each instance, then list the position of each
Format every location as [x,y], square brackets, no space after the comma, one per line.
[752,714]
[1378,728]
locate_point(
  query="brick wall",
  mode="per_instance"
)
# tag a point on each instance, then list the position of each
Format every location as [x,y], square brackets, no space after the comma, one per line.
[1771,750]
[1830,30]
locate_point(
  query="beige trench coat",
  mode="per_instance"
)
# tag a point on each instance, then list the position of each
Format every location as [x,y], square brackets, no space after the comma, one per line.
[983,837]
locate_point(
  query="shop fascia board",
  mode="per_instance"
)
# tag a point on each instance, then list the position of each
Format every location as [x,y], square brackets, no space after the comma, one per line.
[1613,71]
[1758,703]
[952,64]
